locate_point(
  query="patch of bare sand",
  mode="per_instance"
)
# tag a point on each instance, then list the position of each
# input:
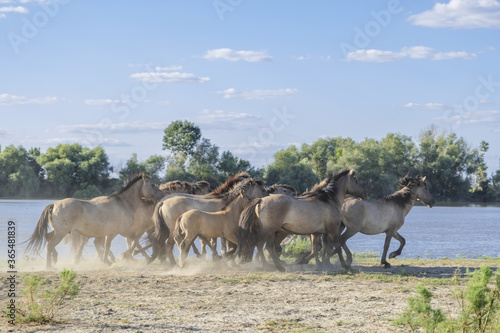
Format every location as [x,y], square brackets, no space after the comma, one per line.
[218,297]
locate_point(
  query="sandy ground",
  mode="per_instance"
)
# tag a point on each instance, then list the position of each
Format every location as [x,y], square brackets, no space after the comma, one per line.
[213,297]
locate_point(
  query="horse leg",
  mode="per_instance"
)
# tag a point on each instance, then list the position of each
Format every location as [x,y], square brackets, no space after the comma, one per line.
[213,247]
[195,250]
[402,243]
[223,246]
[315,248]
[388,236]
[169,247]
[107,246]
[55,239]
[338,249]
[343,239]
[272,253]
[184,246]
[78,255]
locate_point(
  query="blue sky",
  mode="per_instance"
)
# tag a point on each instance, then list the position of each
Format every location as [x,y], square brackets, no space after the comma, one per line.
[256,76]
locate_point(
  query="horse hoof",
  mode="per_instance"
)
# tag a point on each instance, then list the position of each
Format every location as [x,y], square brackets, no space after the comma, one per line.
[387,265]
[392,255]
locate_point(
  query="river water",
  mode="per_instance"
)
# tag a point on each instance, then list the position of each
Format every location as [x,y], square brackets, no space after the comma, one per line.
[438,232]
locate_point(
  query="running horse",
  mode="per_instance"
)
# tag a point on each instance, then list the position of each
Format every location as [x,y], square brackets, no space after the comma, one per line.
[316,212]
[384,215]
[100,217]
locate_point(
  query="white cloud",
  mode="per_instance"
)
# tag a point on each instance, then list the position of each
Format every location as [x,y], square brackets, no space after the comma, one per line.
[134,127]
[427,106]
[102,141]
[6,99]
[414,52]
[460,14]
[227,120]
[12,9]
[472,118]
[168,77]
[232,55]
[257,94]
[101,102]
[168,69]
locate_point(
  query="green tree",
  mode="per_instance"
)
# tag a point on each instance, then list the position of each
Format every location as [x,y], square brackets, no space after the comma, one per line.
[203,162]
[152,167]
[181,137]
[20,175]
[229,165]
[289,168]
[71,167]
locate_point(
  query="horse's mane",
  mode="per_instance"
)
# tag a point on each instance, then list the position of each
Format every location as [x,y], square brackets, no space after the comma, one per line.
[326,190]
[176,185]
[229,184]
[239,189]
[274,188]
[403,196]
[131,180]
[200,185]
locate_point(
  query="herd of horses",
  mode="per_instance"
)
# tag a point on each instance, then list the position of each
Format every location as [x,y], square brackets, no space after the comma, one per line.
[244,213]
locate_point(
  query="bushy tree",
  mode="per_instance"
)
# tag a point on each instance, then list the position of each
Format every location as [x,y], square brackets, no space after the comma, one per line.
[20,174]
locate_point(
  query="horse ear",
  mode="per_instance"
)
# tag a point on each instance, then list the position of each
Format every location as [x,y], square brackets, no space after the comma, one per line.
[423,178]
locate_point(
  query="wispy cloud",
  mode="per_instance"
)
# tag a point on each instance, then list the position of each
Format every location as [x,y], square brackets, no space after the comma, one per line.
[169,77]
[227,120]
[414,52]
[233,55]
[487,117]
[7,99]
[427,106]
[13,9]
[259,94]
[133,127]
[102,102]
[111,142]
[460,14]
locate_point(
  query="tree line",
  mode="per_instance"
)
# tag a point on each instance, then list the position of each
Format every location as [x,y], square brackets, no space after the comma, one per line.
[455,171]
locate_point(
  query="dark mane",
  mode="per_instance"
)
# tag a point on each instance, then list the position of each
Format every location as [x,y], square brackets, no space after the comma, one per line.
[131,180]
[200,185]
[176,185]
[236,191]
[326,190]
[400,197]
[230,183]
[274,188]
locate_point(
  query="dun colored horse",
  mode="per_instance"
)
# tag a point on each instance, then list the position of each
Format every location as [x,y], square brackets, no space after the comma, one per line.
[316,212]
[384,215]
[101,217]
[171,207]
[222,224]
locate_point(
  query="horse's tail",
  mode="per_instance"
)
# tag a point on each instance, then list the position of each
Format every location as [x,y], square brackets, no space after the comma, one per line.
[179,230]
[75,239]
[37,240]
[161,231]
[249,229]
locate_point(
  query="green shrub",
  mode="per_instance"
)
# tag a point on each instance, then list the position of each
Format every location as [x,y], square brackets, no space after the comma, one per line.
[44,298]
[299,246]
[478,307]
[419,312]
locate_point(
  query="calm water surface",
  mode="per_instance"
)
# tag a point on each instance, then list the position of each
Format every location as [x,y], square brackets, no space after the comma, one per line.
[436,232]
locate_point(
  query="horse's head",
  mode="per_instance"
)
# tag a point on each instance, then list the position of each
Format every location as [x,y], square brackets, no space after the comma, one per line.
[256,188]
[201,187]
[353,187]
[150,191]
[423,193]
[418,186]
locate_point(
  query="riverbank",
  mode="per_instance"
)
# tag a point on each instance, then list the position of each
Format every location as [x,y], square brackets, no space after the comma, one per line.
[212,297]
